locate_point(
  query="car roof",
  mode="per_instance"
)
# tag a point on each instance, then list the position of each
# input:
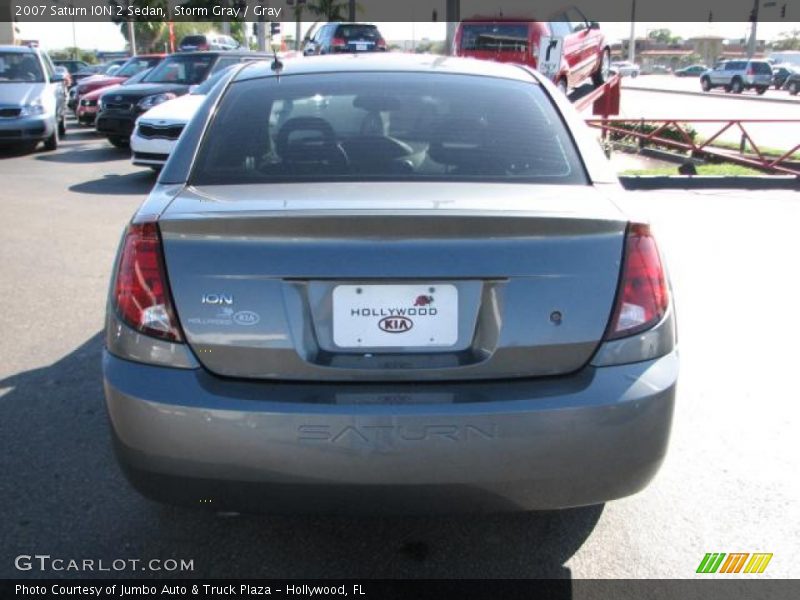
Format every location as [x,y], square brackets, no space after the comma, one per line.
[18,49]
[392,62]
[218,53]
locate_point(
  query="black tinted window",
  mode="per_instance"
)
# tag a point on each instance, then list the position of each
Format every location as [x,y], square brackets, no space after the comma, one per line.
[761,67]
[395,126]
[357,32]
[186,69]
[509,37]
[193,40]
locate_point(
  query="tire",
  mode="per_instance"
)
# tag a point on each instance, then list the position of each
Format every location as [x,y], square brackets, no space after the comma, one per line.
[762,90]
[62,127]
[118,142]
[736,86]
[794,88]
[705,84]
[51,143]
[602,74]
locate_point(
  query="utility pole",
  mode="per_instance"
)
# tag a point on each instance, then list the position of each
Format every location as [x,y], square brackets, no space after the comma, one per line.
[132,37]
[751,45]
[632,41]
[351,10]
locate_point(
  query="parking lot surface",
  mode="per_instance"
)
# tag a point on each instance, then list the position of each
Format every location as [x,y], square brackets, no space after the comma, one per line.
[729,483]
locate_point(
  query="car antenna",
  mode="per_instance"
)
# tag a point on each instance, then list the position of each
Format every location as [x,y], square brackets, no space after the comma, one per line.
[276,65]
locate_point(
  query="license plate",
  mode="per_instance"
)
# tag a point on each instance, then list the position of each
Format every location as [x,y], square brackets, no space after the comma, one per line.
[362,46]
[395,316]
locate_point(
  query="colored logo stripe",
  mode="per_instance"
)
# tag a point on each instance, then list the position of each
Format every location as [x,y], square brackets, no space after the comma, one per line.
[710,562]
[758,563]
[734,563]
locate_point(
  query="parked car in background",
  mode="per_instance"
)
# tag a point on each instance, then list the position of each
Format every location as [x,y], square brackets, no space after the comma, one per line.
[738,75]
[287,330]
[173,77]
[157,131]
[691,71]
[792,83]
[88,105]
[655,70]
[780,73]
[585,52]
[67,78]
[625,69]
[130,68]
[207,41]
[333,38]
[32,99]
[100,70]
[73,66]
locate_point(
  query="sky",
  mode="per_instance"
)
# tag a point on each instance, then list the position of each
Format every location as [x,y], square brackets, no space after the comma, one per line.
[107,36]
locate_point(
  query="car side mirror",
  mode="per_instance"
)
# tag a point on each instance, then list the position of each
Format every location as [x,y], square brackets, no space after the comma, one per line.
[57,78]
[594,25]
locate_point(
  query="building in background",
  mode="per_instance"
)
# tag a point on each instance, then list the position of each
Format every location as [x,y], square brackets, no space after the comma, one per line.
[9,33]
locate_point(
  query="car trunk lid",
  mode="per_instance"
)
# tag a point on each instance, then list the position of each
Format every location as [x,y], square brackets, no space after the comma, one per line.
[338,283]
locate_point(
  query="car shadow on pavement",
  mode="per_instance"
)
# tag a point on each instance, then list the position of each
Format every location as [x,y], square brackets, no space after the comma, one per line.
[138,183]
[63,495]
[79,155]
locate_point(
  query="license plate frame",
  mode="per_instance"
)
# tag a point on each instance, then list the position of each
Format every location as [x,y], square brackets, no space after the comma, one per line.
[395,316]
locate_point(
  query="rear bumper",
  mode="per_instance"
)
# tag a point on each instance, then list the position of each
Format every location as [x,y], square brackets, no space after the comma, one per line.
[186,437]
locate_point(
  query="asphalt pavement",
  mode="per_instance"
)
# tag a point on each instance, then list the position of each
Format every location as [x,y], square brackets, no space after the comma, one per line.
[729,483]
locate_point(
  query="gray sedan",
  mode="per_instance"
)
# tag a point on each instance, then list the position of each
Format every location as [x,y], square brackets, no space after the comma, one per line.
[388,283]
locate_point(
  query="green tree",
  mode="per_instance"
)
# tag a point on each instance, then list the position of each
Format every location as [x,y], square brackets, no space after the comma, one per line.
[663,36]
[789,40]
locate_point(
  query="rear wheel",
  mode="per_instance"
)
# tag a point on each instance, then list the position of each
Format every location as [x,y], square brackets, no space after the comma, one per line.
[705,83]
[118,142]
[603,72]
[794,88]
[736,86]
[761,90]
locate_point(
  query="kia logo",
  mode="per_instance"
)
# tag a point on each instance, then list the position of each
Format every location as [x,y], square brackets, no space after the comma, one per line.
[395,324]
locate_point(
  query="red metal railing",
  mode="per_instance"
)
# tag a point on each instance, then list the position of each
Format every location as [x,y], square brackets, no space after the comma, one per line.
[605,101]
[755,159]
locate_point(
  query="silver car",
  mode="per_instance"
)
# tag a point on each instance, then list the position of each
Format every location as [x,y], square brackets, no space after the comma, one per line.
[32,99]
[738,75]
[388,283]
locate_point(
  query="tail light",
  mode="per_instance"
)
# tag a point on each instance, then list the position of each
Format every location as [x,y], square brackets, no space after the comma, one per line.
[203,47]
[381,43]
[141,292]
[338,42]
[643,294]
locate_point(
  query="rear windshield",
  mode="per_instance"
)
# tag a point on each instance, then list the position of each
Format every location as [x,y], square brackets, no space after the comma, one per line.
[135,65]
[388,127]
[497,37]
[357,32]
[188,70]
[193,40]
[17,67]
[761,67]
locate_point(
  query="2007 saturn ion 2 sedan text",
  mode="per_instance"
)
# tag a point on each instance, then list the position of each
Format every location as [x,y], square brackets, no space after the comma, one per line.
[388,283]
